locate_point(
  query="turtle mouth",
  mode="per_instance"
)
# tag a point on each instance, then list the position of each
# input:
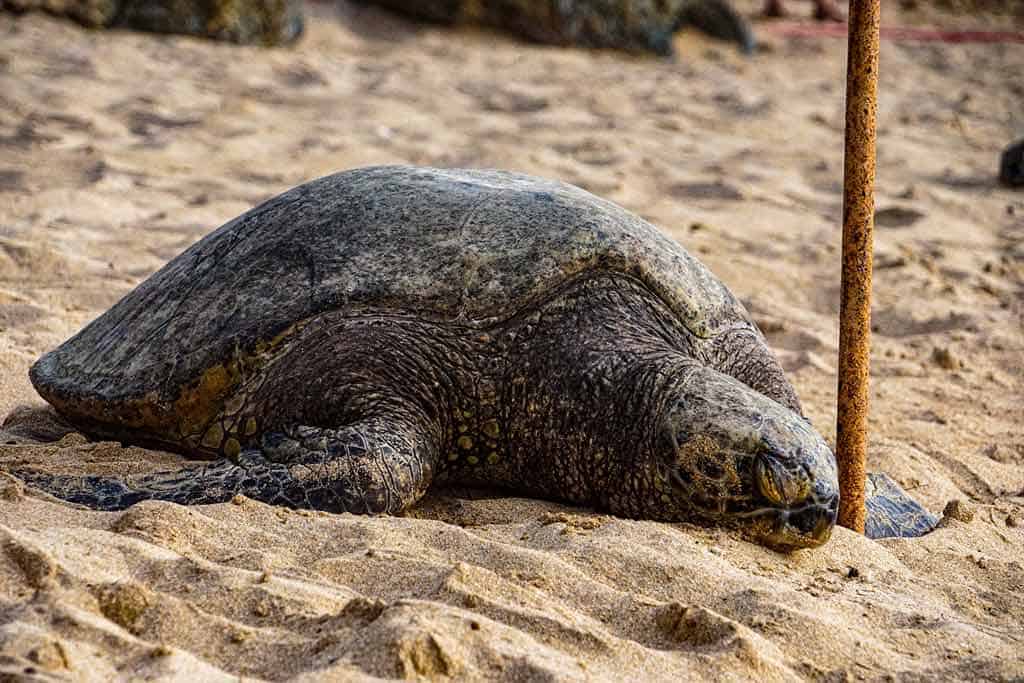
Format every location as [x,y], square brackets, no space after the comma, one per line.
[806,526]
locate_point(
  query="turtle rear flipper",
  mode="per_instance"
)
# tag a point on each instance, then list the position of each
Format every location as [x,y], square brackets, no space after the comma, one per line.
[218,482]
[369,468]
[718,19]
[892,513]
[100,493]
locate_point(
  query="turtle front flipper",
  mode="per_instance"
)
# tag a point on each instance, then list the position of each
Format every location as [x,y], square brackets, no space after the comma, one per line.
[376,466]
[892,513]
[369,468]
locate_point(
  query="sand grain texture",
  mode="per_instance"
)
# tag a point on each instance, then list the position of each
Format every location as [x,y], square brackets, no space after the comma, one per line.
[117,150]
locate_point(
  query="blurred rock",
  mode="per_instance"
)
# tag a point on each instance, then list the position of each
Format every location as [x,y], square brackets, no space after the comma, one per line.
[632,25]
[261,22]
[945,359]
[1011,165]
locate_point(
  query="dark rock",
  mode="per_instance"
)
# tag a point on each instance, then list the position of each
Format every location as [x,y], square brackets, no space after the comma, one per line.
[261,22]
[944,358]
[1011,165]
[632,25]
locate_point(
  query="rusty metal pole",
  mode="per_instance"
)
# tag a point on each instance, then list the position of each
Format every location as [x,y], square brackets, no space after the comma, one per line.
[858,225]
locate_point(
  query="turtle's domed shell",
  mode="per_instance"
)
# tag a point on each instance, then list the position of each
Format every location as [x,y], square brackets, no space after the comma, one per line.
[466,246]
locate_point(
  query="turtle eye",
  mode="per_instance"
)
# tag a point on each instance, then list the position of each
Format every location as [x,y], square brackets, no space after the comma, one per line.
[778,484]
[767,483]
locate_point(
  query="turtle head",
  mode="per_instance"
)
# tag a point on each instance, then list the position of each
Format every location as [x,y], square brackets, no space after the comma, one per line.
[733,456]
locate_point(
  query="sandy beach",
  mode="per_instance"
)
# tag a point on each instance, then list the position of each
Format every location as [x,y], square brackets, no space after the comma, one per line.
[119,149]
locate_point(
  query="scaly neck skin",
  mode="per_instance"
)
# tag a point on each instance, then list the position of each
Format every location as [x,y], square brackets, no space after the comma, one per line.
[586,385]
[742,353]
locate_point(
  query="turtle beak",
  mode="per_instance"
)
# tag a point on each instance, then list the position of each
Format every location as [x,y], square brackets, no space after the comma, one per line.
[797,520]
[802,511]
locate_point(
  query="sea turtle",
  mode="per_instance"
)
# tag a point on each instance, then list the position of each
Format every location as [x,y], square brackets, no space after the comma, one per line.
[355,339]
[631,25]
[261,22]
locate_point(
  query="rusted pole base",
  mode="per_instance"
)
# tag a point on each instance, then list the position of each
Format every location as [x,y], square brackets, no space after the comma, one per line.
[858,226]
